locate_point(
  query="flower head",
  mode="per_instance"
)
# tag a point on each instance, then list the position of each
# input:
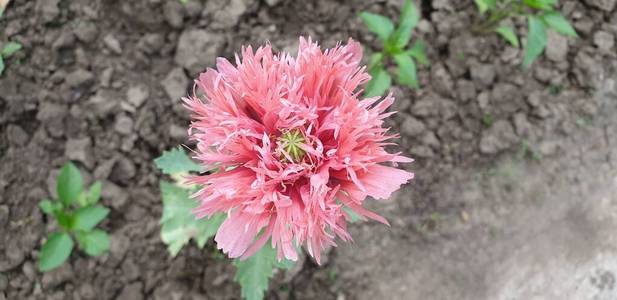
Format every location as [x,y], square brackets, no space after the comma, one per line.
[292,144]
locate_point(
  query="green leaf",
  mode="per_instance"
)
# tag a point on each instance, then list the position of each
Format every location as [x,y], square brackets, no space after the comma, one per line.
[55,251]
[179,224]
[378,24]
[380,82]
[254,273]
[508,34]
[408,20]
[94,193]
[375,60]
[536,40]
[541,4]
[484,5]
[1,65]
[69,184]
[10,48]
[417,51]
[47,206]
[86,218]
[284,264]
[558,23]
[94,243]
[407,73]
[176,161]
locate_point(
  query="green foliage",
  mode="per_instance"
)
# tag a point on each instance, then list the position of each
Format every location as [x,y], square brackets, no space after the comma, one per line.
[94,242]
[7,50]
[77,215]
[254,273]
[540,14]
[178,223]
[69,184]
[55,251]
[176,161]
[536,40]
[395,40]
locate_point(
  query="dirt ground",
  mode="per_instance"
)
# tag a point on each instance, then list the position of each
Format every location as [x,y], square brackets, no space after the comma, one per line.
[516,189]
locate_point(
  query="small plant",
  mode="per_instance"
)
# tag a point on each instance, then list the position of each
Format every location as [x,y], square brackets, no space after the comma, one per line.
[541,15]
[77,213]
[395,41]
[179,225]
[7,51]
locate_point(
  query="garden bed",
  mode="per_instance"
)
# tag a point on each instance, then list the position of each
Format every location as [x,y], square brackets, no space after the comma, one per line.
[99,82]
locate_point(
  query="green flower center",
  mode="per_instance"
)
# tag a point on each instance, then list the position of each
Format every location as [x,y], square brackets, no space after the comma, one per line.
[291,141]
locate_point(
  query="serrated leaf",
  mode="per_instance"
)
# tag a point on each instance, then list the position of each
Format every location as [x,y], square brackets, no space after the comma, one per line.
[86,218]
[10,48]
[418,52]
[509,35]
[558,23]
[69,184]
[536,40]
[378,24]
[94,243]
[179,224]
[484,5]
[380,82]
[176,161]
[55,251]
[407,73]
[408,20]
[284,264]
[254,273]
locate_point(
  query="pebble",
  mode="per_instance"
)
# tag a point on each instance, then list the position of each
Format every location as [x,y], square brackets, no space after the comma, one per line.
[79,78]
[86,31]
[412,126]
[115,194]
[483,73]
[132,291]
[102,103]
[80,150]
[16,135]
[208,44]
[174,13]
[604,41]
[178,133]
[123,124]
[136,95]
[605,5]
[175,84]
[119,246]
[113,44]
[497,138]
[557,49]
[65,40]
[47,10]
[123,171]
[86,291]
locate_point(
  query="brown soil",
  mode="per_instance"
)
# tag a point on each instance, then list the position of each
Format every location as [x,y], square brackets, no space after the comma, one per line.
[99,81]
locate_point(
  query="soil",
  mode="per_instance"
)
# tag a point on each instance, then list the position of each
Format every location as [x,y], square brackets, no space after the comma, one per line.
[514,196]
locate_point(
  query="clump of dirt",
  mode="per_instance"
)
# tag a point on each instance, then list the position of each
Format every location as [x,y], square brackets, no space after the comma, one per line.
[99,82]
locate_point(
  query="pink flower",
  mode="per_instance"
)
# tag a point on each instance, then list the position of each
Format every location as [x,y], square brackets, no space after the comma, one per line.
[292,145]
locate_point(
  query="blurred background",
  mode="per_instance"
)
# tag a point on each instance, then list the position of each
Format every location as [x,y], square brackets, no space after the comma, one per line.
[515,195]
